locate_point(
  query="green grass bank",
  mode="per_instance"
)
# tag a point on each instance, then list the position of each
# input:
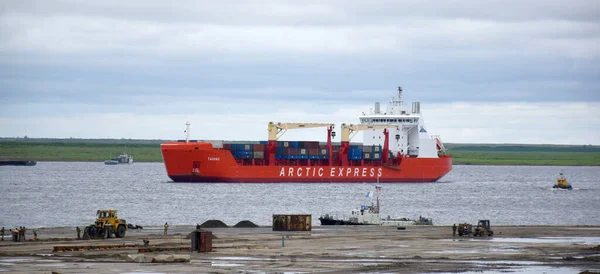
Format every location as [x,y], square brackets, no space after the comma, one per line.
[91,150]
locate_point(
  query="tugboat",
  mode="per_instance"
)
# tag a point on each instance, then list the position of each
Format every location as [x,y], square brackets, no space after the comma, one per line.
[366,215]
[561,183]
[122,159]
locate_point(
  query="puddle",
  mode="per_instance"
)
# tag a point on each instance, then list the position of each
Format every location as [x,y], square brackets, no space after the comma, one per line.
[52,265]
[541,240]
[225,264]
[455,251]
[551,240]
[245,259]
[48,261]
[16,260]
[504,262]
[528,269]
[143,272]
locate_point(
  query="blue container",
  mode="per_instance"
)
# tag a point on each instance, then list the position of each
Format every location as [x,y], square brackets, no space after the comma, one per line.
[294,144]
[264,142]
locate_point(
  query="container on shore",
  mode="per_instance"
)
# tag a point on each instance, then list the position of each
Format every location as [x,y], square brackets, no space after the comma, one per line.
[292,222]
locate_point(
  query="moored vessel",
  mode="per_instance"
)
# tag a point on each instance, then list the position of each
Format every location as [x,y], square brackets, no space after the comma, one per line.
[122,159]
[561,183]
[410,155]
[17,163]
[366,215]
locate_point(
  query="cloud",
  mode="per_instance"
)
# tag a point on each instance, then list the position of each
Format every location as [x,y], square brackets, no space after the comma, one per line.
[549,123]
[165,62]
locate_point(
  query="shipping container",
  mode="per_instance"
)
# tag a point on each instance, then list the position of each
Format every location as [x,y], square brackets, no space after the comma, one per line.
[292,222]
[367,148]
[376,155]
[259,154]
[201,241]
[264,142]
[377,149]
[303,151]
[367,155]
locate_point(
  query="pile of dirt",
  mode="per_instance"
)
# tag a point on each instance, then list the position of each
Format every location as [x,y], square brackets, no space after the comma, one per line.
[213,224]
[245,223]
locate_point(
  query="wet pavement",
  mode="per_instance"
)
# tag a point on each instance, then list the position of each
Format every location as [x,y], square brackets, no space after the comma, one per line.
[366,249]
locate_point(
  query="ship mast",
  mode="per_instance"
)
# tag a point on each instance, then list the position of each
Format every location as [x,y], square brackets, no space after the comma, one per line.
[187,132]
[400,99]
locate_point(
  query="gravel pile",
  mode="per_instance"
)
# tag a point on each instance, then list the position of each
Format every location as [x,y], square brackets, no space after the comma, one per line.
[245,223]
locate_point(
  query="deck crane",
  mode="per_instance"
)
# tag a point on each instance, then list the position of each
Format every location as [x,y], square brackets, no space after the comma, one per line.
[276,130]
[348,132]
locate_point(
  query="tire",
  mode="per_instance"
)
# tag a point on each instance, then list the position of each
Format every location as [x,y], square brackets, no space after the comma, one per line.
[120,233]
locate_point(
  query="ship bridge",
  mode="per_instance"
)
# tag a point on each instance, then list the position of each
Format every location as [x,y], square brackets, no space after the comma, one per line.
[410,138]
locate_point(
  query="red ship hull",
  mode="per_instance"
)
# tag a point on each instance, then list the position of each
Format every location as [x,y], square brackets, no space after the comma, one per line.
[200,162]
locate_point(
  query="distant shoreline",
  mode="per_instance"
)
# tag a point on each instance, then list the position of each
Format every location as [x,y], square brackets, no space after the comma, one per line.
[148,151]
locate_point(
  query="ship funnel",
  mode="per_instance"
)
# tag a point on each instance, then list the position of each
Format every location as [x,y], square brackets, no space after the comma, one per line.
[416,107]
[377,108]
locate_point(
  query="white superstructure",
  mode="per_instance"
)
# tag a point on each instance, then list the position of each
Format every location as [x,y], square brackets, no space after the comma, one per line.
[410,138]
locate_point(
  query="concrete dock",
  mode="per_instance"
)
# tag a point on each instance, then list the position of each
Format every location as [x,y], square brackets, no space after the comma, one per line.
[333,249]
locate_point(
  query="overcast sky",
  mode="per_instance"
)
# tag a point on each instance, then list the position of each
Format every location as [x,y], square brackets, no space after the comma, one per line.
[484,71]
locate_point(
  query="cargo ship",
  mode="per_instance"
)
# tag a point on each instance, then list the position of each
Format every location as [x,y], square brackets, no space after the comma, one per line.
[411,155]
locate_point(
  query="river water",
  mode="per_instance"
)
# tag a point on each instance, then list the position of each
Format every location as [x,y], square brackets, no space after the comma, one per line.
[69,193]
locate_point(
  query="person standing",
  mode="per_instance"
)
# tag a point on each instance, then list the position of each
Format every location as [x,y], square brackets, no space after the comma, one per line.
[16,234]
[453,230]
[35,237]
[2,233]
[24,233]
[166,228]
[78,233]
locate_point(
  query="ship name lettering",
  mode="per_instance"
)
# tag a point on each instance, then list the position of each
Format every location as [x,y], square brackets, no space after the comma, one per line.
[214,159]
[306,172]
